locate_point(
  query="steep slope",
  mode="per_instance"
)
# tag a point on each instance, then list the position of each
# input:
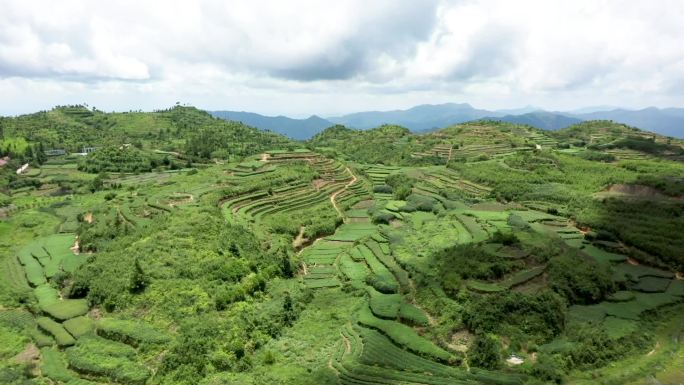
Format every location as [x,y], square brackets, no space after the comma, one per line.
[293,128]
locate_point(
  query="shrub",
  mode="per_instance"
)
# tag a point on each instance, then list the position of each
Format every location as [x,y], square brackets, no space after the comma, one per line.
[597,156]
[485,352]
[382,189]
[539,316]
[580,280]
[382,217]
[505,238]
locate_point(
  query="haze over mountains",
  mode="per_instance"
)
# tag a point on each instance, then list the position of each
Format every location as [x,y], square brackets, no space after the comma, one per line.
[426,117]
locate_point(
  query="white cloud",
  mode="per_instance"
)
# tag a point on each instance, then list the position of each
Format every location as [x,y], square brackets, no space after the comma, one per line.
[310,56]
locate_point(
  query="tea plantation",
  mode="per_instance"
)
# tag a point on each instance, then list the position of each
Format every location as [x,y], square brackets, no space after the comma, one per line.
[189,250]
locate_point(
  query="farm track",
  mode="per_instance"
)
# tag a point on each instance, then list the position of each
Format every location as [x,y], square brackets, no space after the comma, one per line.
[336,193]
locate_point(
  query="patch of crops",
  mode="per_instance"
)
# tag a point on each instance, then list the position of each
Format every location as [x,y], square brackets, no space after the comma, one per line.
[384,305]
[102,358]
[621,296]
[79,326]
[485,287]
[17,319]
[72,262]
[321,283]
[133,333]
[56,330]
[33,269]
[523,276]
[652,284]
[350,232]
[386,259]
[54,366]
[412,315]
[618,327]
[66,309]
[601,255]
[354,271]
[381,279]
[403,336]
[46,295]
[14,274]
[631,309]
[634,272]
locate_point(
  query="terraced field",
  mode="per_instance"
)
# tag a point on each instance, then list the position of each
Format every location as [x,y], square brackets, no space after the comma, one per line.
[74,347]
[334,179]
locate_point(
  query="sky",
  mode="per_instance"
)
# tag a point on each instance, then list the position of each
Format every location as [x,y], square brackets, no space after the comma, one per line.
[301,57]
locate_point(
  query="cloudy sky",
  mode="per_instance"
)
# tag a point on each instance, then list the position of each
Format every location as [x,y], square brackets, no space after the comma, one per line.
[331,57]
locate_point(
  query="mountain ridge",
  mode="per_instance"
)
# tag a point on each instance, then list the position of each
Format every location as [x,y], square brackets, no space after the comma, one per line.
[429,117]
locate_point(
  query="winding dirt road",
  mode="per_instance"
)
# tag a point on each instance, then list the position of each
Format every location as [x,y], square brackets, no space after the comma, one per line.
[336,193]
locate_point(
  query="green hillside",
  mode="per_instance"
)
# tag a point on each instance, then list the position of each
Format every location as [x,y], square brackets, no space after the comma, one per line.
[184,249]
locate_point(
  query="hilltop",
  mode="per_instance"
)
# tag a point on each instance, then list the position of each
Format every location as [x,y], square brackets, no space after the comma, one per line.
[177,129]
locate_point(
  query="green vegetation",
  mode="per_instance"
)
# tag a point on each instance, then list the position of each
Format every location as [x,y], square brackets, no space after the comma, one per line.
[188,250]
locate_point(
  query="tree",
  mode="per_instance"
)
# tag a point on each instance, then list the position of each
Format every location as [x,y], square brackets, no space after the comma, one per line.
[485,352]
[139,279]
[289,312]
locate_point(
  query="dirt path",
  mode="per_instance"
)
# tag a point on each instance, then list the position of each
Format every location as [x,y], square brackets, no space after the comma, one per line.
[75,248]
[347,344]
[336,193]
[412,287]
[168,152]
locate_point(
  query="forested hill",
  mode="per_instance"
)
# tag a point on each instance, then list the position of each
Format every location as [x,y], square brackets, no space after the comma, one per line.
[179,129]
[484,139]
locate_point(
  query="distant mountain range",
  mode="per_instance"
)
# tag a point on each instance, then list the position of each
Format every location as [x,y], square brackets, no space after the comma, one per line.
[300,129]
[427,117]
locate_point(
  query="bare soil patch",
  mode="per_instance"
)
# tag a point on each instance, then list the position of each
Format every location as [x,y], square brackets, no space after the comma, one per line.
[461,340]
[299,240]
[29,355]
[88,217]
[95,314]
[636,190]
[75,248]
[318,183]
